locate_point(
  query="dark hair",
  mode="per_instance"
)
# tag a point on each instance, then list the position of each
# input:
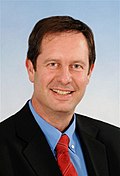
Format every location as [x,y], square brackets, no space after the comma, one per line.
[58,24]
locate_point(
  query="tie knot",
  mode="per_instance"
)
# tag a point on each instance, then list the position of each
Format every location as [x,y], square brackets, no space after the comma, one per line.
[63,143]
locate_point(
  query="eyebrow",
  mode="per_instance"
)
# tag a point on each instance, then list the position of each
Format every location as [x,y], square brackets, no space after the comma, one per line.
[51,59]
[59,60]
[80,62]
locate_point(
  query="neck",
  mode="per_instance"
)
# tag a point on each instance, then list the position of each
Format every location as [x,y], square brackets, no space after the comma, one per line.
[60,120]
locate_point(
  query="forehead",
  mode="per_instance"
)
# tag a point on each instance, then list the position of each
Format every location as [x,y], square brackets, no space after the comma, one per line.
[63,37]
[65,47]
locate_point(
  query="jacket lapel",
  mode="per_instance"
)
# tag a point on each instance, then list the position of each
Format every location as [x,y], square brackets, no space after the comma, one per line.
[40,157]
[94,151]
[37,151]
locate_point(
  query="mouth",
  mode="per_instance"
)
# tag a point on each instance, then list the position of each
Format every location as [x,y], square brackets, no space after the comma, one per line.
[62,92]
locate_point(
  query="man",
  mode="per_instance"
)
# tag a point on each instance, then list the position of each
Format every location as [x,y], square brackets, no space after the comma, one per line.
[60,61]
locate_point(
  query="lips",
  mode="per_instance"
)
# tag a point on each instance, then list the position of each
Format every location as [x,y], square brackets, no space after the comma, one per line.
[62,92]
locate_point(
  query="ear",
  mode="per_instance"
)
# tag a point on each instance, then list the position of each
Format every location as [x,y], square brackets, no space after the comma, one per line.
[30,70]
[91,69]
[90,72]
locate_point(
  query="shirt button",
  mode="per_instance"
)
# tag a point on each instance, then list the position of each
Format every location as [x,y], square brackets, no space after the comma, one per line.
[72,146]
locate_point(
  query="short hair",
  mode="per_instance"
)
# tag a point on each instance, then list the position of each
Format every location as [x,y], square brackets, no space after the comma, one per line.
[58,24]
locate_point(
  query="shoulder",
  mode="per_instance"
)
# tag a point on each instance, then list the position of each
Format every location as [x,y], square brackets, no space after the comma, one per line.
[7,126]
[89,121]
[106,132]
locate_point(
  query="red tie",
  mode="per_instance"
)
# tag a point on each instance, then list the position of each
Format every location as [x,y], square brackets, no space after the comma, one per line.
[63,157]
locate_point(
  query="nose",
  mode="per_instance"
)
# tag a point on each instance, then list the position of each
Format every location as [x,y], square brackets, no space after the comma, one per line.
[64,75]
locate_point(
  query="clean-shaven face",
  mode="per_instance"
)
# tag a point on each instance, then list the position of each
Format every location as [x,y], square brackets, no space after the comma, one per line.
[61,74]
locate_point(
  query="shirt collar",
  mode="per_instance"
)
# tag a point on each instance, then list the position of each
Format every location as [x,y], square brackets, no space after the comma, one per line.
[51,133]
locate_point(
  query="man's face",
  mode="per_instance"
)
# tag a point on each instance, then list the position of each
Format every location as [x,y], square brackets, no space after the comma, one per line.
[61,74]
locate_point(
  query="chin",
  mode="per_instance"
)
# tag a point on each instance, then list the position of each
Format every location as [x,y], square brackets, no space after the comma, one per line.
[65,110]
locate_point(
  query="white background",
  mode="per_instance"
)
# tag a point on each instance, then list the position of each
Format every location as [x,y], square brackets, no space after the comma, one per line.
[101,100]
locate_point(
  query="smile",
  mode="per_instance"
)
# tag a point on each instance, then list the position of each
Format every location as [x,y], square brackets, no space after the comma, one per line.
[61,92]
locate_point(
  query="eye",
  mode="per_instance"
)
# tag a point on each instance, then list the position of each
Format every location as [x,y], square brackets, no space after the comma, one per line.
[52,65]
[77,67]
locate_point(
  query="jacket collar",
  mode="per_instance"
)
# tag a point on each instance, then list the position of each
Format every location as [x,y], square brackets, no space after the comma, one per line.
[94,151]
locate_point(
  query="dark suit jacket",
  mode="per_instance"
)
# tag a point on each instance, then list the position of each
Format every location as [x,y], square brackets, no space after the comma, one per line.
[24,150]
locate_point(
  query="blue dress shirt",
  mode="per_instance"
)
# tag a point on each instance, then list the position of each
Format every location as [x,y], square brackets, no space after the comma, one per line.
[53,135]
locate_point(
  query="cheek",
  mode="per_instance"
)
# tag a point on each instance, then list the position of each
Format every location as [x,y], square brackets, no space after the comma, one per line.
[82,81]
[82,78]
[42,80]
